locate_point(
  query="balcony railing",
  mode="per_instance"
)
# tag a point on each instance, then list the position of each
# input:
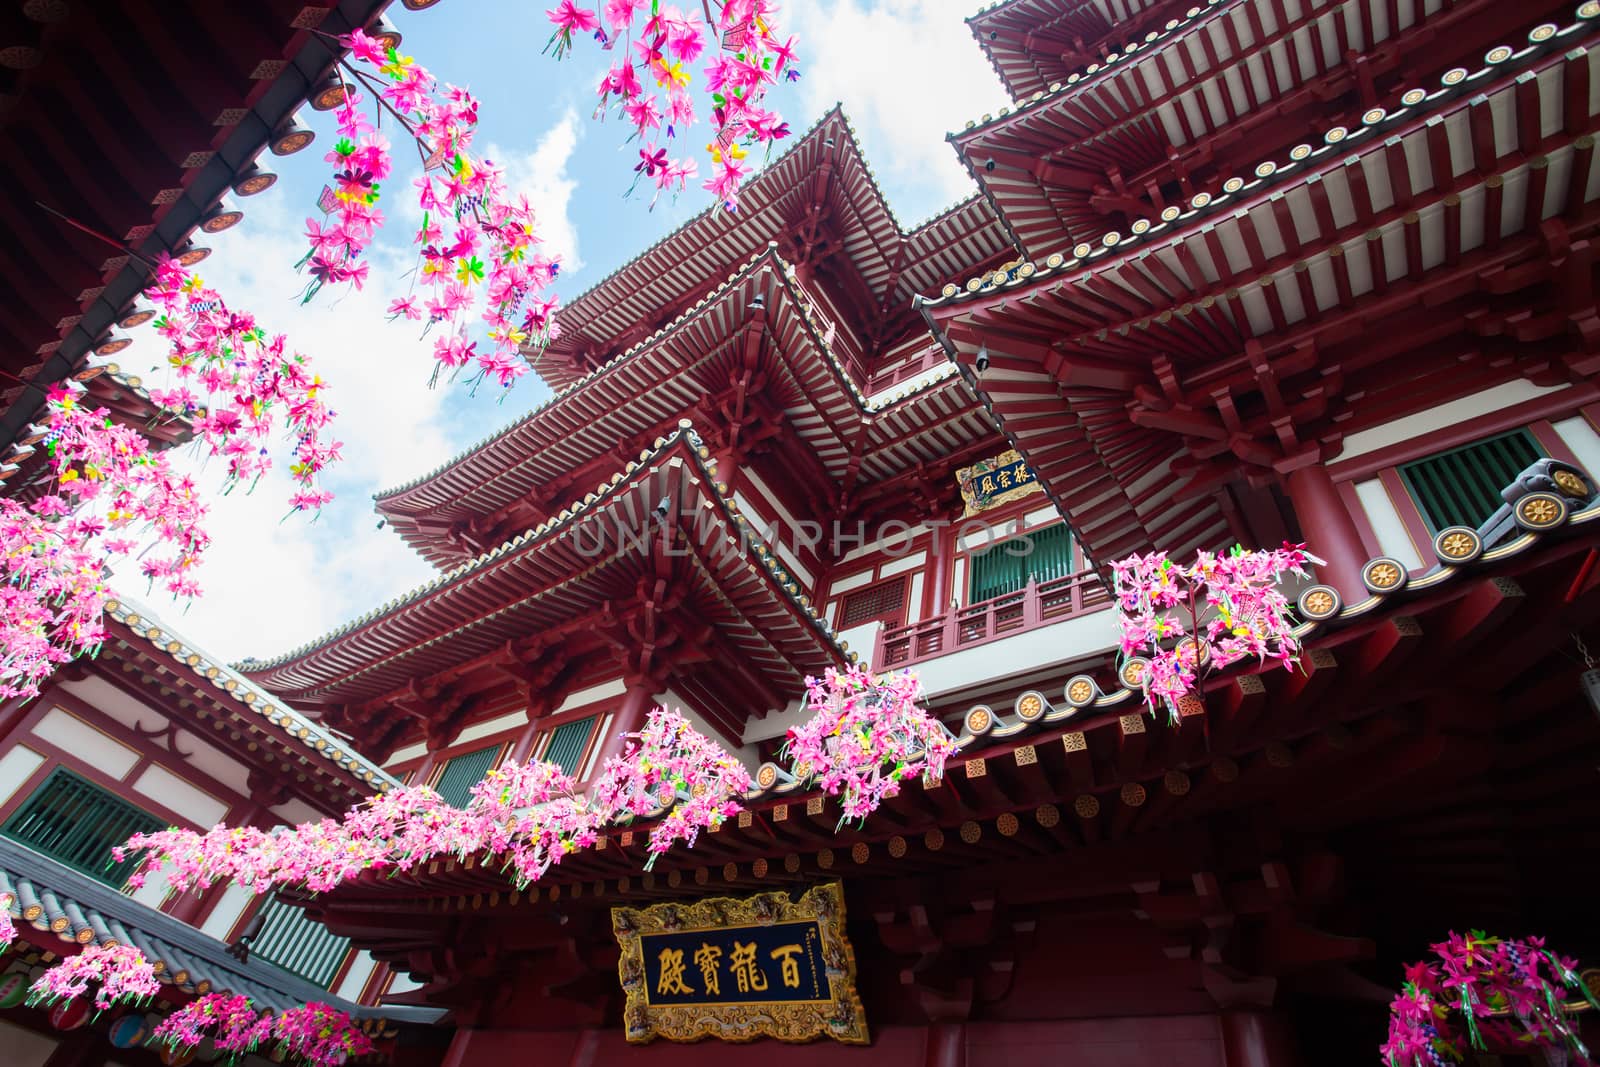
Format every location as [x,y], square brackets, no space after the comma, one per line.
[1037,604]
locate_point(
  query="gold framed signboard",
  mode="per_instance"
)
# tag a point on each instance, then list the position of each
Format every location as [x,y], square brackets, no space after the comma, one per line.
[738,970]
[991,482]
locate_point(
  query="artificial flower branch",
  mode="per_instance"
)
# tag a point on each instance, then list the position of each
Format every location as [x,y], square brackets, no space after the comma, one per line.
[1181,621]
[1483,989]
[867,736]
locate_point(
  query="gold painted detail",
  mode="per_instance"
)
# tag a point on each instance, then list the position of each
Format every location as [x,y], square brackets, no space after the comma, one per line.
[839,1017]
[1383,574]
[1087,806]
[1570,484]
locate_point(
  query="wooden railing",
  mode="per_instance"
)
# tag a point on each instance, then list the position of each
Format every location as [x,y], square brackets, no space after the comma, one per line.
[1037,604]
[931,357]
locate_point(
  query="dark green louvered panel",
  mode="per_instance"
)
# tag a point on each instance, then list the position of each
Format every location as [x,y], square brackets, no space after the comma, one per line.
[1006,569]
[77,823]
[462,773]
[298,944]
[1462,487]
[567,743]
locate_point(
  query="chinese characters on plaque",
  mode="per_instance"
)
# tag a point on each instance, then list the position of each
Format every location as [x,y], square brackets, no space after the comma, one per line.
[991,482]
[767,966]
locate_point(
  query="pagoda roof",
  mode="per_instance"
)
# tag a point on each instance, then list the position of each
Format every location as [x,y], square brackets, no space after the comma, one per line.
[55,906]
[1162,107]
[669,375]
[822,167]
[157,665]
[1089,740]
[543,581]
[1032,44]
[134,123]
[1290,270]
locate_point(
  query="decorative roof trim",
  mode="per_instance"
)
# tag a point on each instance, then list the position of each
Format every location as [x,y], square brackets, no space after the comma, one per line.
[700,456]
[144,623]
[1376,121]
[785,274]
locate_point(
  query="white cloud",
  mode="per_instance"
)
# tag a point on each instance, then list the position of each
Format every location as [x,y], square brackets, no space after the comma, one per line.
[272,583]
[907,71]
[542,175]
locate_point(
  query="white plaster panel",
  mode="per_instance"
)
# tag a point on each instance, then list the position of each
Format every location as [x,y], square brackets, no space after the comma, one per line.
[914,609]
[493,726]
[594,752]
[1584,442]
[584,697]
[361,968]
[861,639]
[162,785]
[15,768]
[402,983]
[213,761]
[959,589]
[235,898]
[23,1047]
[294,812]
[903,564]
[986,535]
[899,537]
[849,582]
[1042,516]
[71,734]
[1508,394]
[114,703]
[1393,537]
[405,755]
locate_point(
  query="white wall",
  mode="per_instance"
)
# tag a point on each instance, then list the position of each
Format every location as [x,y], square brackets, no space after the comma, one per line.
[166,788]
[1393,537]
[15,768]
[234,900]
[1057,644]
[1441,416]
[71,734]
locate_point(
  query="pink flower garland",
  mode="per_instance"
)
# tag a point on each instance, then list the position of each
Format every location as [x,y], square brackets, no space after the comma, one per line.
[121,971]
[669,764]
[488,259]
[8,929]
[866,737]
[233,1022]
[320,1035]
[1499,988]
[247,379]
[1218,611]
[748,59]
[113,497]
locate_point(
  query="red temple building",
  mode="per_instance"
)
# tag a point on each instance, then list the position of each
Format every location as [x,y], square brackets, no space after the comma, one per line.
[1240,272]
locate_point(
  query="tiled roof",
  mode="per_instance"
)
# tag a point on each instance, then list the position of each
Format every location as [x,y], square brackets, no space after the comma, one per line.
[77,909]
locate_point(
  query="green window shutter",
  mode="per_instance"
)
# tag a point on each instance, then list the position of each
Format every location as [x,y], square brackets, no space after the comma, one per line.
[567,744]
[1040,554]
[462,773]
[1462,487]
[299,944]
[75,822]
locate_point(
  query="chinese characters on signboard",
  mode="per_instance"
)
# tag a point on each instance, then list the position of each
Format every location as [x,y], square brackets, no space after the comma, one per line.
[991,482]
[740,969]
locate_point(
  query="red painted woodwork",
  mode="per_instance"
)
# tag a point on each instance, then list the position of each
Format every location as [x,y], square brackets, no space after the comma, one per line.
[1039,604]
[1326,526]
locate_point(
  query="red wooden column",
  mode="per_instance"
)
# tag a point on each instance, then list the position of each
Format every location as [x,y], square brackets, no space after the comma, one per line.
[1328,529]
[1257,1038]
[947,1045]
[636,705]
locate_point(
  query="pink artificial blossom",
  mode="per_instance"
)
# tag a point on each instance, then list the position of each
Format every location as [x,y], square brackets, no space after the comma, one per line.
[1484,989]
[120,971]
[234,1024]
[866,737]
[1218,611]
[321,1035]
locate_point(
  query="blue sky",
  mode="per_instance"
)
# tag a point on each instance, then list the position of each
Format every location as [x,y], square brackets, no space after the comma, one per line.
[906,72]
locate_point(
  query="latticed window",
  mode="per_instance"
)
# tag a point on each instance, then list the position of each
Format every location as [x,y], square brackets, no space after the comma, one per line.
[1462,487]
[1004,568]
[885,602]
[298,943]
[75,822]
[567,744]
[462,773]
